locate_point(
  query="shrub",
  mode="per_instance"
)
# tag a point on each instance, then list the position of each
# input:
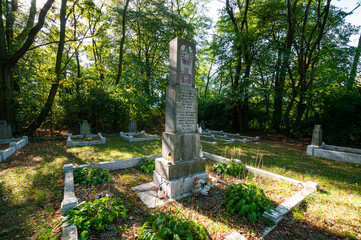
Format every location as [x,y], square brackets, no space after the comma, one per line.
[145,165]
[247,199]
[165,226]
[95,216]
[92,176]
[230,168]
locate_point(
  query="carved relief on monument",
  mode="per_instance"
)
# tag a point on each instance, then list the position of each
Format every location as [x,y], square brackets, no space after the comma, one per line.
[186,56]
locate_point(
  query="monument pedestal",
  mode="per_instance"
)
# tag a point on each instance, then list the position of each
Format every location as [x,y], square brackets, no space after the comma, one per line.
[180,187]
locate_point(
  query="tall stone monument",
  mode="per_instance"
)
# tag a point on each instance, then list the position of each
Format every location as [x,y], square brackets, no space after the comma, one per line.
[317,136]
[5,130]
[85,128]
[181,163]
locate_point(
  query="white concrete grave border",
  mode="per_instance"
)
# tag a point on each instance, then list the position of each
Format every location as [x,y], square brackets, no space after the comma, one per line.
[70,143]
[70,200]
[228,138]
[129,136]
[342,154]
[14,145]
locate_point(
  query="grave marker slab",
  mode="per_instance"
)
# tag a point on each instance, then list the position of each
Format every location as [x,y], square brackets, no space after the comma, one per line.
[85,128]
[5,130]
[317,136]
[132,126]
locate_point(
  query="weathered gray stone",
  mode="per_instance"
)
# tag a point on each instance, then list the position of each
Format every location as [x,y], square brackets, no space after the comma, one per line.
[235,236]
[70,232]
[69,200]
[130,136]
[5,130]
[182,55]
[4,154]
[180,147]
[203,125]
[180,187]
[317,136]
[181,109]
[179,169]
[181,142]
[85,128]
[320,151]
[70,143]
[132,126]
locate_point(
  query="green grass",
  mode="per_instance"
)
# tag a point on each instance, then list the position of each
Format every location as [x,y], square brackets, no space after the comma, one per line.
[339,198]
[31,186]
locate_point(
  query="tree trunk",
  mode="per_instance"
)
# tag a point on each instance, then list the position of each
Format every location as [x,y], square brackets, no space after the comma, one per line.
[54,87]
[120,64]
[351,80]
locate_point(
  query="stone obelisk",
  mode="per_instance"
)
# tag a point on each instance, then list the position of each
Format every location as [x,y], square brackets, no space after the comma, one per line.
[181,163]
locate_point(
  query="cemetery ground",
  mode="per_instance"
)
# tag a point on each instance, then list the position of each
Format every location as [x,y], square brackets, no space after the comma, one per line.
[31,190]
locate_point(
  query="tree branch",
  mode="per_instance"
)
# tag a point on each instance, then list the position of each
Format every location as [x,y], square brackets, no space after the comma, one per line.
[32,34]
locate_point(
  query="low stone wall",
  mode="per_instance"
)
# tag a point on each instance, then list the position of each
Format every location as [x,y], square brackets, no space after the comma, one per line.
[333,153]
[130,136]
[70,143]
[14,145]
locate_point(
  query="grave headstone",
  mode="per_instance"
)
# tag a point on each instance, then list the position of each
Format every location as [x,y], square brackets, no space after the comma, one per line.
[180,141]
[85,128]
[317,136]
[203,124]
[5,130]
[132,126]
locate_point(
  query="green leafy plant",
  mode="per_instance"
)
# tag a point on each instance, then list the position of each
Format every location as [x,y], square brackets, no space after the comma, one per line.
[95,216]
[247,199]
[165,226]
[92,176]
[145,165]
[230,168]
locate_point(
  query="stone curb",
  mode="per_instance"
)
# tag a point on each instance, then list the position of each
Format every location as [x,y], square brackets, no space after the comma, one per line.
[14,145]
[332,153]
[285,207]
[130,137]
[70,201]
[70,143]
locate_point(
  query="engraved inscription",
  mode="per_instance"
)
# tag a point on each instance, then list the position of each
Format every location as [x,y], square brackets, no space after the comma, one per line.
[186,113]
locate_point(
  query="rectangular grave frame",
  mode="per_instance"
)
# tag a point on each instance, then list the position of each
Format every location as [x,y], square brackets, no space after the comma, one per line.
[70,143]
[70,201]
[228,138]
[129,136]
[336,153]
[14,145]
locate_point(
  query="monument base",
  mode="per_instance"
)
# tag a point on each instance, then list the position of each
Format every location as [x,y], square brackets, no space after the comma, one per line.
[178,188]
[179,169]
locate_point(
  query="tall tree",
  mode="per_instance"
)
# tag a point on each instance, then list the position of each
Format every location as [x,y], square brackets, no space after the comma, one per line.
[121,47]
[58,73]
[12,49]
[351,80]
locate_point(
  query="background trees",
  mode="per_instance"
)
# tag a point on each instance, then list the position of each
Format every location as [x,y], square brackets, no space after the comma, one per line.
[273,66]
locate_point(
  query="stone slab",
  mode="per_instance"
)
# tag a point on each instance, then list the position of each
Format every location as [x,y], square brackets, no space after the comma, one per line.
[148,193]
[317,136]
[182,54]
[70,232]
[343,149]
[132,126]
[319,151]
[69,200]
[5,130]
[178,188]
[119,164]
[4,154]
[181,109]
[235,236]
[178,147]
[217,158]
[285,207]
[176,170]
[85,128]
